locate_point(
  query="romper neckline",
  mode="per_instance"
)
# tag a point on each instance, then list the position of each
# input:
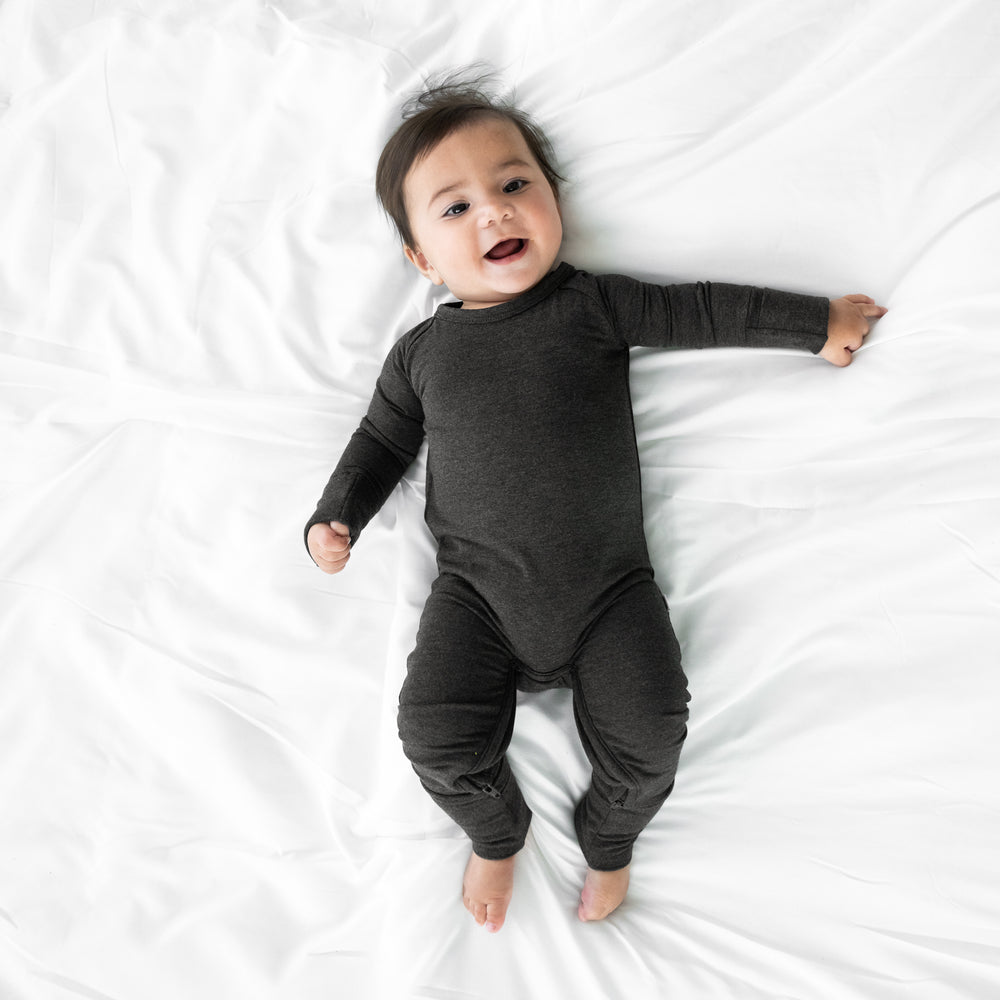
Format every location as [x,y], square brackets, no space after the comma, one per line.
[453,312]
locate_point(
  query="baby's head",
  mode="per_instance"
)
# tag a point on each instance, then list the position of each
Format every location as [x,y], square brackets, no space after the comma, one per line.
[468,181]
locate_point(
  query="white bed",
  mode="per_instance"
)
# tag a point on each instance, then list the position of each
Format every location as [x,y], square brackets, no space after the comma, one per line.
[202,791]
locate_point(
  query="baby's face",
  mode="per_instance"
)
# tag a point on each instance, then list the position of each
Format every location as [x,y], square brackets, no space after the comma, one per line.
[484,216]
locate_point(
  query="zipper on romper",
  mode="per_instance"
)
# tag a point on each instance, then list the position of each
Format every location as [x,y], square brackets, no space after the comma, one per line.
[490,791]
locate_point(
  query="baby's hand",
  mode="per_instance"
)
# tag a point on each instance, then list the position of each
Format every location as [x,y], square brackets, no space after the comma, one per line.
[330,545]
[849,325]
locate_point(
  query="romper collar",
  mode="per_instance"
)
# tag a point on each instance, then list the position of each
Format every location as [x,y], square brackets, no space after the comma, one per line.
[453,313]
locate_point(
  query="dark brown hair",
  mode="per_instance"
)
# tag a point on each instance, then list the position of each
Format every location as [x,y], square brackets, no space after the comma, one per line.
[432,116]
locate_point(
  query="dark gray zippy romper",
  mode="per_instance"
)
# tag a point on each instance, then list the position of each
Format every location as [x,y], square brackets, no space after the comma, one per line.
[533,496]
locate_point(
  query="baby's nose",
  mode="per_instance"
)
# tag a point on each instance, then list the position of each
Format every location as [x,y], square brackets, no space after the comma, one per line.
[495,211]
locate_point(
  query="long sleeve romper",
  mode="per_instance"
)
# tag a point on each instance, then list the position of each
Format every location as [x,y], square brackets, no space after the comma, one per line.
[534,500]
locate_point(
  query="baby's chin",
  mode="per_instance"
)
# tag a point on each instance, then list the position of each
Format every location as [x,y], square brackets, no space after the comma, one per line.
[495,283]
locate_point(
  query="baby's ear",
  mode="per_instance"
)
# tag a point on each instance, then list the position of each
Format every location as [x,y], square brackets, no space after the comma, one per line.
[423,265]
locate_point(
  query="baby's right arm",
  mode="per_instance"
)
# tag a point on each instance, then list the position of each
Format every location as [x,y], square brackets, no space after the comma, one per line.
[329,545]
[375,459]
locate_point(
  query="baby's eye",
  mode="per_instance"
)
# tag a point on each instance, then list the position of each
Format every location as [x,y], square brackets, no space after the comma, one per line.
[457,209]
[515,185]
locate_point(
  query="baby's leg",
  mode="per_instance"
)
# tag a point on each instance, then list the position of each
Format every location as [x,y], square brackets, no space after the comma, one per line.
[630,699]
[456,717]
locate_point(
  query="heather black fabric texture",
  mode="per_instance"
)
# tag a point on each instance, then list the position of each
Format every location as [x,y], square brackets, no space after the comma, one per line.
[456,718]
[534,499]
[533,488]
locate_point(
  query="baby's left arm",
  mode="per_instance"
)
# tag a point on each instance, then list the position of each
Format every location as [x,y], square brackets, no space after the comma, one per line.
[850,321]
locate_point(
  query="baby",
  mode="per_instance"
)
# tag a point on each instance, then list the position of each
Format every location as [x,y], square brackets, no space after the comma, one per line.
[533,491]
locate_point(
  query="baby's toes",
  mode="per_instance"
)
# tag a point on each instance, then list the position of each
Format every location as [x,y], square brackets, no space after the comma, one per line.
[496,913]
[476,908]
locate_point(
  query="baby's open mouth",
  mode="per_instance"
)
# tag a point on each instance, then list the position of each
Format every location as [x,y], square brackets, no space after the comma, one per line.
[505,249]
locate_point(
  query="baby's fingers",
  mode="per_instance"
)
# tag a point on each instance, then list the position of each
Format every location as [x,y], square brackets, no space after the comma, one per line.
[332,562]
[332,544]
[329,547]
[867,305]
[335,548]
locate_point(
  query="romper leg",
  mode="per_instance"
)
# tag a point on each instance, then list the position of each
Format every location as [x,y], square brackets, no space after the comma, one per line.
[456,717]
[630,700]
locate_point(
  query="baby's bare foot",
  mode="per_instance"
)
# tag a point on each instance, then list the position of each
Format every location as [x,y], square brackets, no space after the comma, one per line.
[603,892]
[487,889]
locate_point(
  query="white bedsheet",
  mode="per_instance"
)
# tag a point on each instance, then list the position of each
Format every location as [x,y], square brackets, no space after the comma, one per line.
[202,792]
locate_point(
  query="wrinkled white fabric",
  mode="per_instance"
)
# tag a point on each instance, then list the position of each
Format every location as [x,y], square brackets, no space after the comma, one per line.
[203,791]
